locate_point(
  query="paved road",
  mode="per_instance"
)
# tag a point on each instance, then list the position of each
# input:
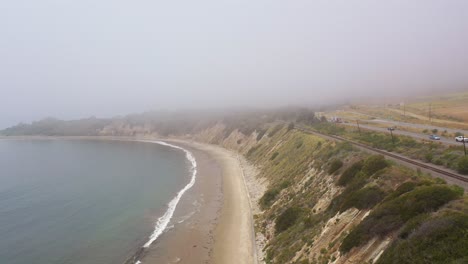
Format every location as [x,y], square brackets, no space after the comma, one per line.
[444,140]
[420,126]
[376,119]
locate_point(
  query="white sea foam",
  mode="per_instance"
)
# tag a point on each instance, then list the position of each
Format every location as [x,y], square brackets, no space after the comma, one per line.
[164,220]
[184,218]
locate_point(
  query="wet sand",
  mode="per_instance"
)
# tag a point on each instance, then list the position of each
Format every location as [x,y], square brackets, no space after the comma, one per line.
[190,234]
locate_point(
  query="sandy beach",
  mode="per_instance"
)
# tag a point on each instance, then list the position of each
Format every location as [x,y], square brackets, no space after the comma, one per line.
[234,237]
[213,222]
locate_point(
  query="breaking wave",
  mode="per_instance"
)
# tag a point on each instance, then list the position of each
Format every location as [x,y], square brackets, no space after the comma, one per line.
[163,221]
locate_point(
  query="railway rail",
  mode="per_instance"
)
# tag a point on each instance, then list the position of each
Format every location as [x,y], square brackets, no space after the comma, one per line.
[385,153]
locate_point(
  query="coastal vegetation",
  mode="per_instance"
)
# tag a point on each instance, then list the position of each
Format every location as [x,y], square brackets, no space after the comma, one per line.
[451,157]
[395,201]
[394,213]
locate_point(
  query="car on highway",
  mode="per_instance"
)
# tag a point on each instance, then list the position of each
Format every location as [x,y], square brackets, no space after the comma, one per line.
[461,139]
[434,137]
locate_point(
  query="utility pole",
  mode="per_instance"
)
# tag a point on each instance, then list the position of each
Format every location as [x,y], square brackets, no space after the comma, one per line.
[359,129]
[464,144]
[404,111]
[430,112]
[393,140]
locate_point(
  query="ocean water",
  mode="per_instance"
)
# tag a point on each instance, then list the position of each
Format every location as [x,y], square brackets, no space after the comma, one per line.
[86,201]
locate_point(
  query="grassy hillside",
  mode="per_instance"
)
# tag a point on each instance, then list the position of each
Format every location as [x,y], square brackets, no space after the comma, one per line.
[330,202]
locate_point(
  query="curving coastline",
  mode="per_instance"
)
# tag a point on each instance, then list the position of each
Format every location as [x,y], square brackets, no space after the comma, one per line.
[164,220]
[234,237]
[220,231]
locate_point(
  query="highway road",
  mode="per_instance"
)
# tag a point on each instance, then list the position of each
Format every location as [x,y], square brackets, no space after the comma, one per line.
[444,140]
[376,119]
[417,126]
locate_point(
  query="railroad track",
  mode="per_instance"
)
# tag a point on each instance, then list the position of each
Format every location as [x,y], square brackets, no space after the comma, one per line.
[385,153]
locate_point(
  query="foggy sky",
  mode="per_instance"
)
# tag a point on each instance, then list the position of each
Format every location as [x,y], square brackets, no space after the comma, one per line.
[73,59]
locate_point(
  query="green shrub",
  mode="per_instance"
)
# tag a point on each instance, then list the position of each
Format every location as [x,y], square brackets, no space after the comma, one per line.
[349,173]
[299,144]
[267,198]
[284,184]
[287,219]
[459,190]
[364,198]
[328,128]
[335,165]
[442,239]
[312,220]
[252,150]
[373,164]
[275,130]
[428,157]
[260,134]
[403,188]
[290,126]
[408,142]
[462,166]
[345,146]
[353,239]
[412,225]
[355,185]
[378,140]
[319,145]
[440,181]
[274,155]
[392,214]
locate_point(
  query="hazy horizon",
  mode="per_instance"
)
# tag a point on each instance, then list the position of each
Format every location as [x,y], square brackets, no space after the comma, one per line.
[70,60]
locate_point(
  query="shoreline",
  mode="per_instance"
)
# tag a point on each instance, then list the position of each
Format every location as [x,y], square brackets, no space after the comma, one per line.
[221,229]
[161,224]
[189,237]
[163,221]
[234,238]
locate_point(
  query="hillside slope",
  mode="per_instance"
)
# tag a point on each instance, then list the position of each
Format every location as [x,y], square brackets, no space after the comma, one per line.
[330,203]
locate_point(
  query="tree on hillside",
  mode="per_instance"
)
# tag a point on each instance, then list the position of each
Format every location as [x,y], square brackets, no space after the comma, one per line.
[306,116]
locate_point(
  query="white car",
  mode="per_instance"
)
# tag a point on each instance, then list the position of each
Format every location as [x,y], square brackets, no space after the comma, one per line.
[461,139]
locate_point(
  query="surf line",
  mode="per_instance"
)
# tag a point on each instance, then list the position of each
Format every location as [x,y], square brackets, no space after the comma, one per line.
[163,221]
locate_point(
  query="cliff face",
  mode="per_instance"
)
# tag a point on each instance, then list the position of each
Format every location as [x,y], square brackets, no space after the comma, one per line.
[327,202]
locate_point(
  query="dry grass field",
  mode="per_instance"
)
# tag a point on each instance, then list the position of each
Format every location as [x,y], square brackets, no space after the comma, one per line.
[449,110]
[452,107]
